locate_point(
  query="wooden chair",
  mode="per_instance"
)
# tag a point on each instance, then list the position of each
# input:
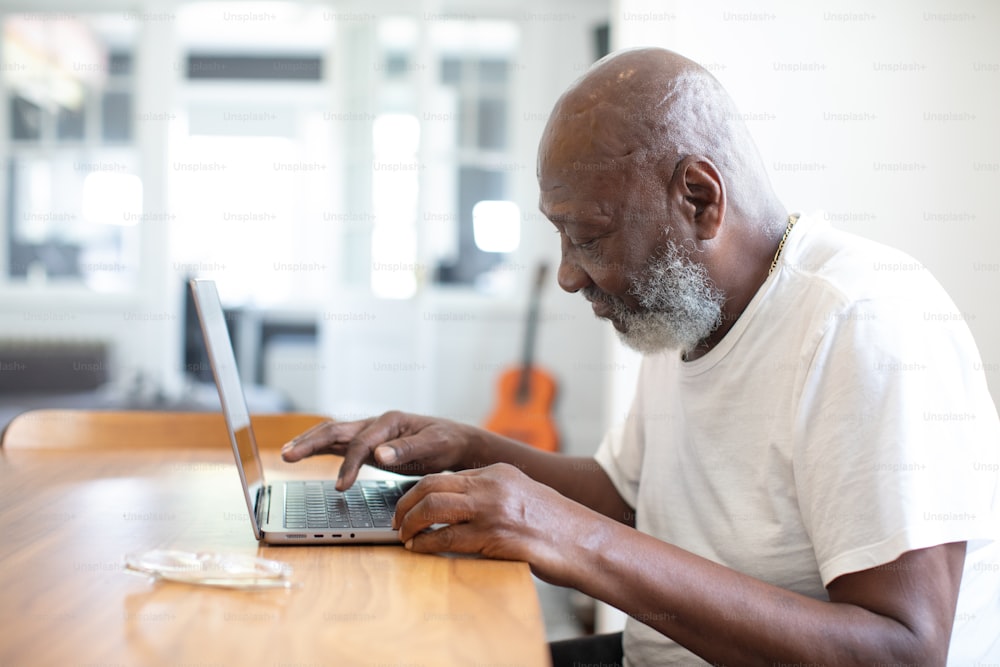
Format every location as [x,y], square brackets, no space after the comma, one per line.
[111,429]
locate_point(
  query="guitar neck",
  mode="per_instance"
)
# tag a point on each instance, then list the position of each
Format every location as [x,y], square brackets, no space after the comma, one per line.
[531,329]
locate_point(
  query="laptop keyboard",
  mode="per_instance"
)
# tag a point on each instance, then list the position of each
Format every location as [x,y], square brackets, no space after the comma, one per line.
[367,504]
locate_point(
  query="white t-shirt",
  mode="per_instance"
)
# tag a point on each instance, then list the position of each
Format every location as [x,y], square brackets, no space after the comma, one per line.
[842,421]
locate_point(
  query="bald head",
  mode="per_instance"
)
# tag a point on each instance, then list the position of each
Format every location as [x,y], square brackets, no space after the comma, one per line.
[647,109]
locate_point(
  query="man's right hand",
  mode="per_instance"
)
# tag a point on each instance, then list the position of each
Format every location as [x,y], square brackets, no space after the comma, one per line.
[396,441]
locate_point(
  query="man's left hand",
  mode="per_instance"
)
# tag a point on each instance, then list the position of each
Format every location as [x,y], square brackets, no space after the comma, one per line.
[496,511]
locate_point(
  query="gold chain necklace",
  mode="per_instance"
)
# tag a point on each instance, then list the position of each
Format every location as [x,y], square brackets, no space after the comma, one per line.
[792,219]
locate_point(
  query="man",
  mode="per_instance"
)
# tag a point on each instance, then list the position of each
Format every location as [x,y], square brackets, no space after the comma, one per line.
[808,472]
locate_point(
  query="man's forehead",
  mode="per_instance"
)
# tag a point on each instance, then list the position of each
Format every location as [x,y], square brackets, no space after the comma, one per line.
[604,130]
[582,177]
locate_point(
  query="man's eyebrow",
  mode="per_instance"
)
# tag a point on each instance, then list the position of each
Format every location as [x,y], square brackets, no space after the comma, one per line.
[565,218]
[561,218]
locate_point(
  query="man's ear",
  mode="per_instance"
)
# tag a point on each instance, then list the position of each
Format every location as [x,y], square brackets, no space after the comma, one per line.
[696,186]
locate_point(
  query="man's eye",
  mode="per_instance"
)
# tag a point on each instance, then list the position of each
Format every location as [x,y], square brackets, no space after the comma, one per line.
[588,245]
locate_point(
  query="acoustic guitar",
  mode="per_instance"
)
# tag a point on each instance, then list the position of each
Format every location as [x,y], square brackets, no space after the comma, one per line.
[526,393]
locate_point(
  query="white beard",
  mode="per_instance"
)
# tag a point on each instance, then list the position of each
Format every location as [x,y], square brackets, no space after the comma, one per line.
[680,305]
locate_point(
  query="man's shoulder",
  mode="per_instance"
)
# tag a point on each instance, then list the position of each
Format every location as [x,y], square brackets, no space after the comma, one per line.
[856,268]
[837,283]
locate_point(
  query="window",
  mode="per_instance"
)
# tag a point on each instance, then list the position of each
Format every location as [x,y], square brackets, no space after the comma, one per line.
[73,197]
[454,78]
[249,167]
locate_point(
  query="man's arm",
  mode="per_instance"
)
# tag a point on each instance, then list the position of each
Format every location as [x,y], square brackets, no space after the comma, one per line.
[899,613]
[416,445]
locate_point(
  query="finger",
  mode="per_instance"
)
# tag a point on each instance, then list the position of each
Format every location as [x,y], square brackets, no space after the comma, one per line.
[323,438]
[389,443]
[365,443]
[369,446]
[439,483]
[459,538]
[434,510]
[355,456]
[296,448]
[379,459]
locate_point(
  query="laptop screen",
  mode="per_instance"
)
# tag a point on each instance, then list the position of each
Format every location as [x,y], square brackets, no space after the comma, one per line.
[227,380]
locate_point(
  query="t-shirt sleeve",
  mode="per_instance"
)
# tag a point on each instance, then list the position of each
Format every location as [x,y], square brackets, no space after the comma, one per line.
[896,436]
[622,449]
[614,456]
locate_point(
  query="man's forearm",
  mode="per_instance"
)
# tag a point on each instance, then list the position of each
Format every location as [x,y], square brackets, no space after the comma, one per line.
[730,618]
[578,478]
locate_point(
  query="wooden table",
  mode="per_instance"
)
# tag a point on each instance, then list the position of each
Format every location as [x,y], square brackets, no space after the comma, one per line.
[67,519]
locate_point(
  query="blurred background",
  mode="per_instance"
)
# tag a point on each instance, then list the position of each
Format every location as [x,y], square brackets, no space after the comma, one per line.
[359,177]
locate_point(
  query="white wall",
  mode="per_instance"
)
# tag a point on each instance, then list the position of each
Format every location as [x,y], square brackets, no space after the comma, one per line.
[443,353]
[884,115]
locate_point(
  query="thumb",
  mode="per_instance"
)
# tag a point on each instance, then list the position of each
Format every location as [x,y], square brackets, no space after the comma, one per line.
[386,455]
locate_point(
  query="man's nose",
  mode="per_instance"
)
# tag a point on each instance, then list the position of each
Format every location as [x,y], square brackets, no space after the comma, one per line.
[571,277]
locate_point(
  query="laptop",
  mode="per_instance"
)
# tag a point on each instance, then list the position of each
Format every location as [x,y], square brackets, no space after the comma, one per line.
[289,512]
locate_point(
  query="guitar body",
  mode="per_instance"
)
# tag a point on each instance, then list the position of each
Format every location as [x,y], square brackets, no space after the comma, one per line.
[525,393]
[525,413]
